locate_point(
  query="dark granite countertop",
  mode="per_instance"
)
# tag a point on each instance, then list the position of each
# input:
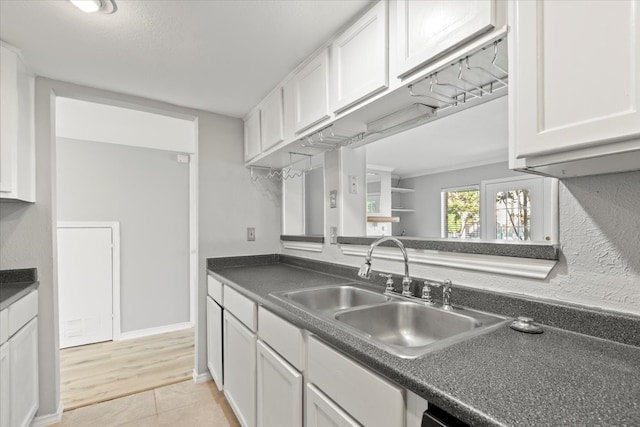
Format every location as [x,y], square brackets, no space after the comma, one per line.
[500,378]
[14,284]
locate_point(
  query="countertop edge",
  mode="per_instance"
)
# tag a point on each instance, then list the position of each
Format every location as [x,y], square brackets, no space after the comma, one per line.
[27,288]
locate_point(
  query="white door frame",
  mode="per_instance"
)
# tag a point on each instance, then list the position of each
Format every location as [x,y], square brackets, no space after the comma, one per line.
[115,263]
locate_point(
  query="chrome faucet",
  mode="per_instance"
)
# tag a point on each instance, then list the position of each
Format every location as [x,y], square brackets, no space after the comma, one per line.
[365,270]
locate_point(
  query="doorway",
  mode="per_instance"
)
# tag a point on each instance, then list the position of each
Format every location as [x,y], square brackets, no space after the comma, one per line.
[89,282]
[125,193]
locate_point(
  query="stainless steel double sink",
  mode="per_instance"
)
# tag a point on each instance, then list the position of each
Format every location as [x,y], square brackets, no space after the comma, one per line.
[403,327]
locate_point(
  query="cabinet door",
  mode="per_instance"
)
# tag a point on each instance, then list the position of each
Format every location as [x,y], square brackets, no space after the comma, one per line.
[23,348]
[5,385]
[279,391]
[427,29]
[359,63]
[240,369]
[272,120]
[311,92]
[322,412]
[343,380]
[252,143]
[214,341]
[8,119]
[573,88]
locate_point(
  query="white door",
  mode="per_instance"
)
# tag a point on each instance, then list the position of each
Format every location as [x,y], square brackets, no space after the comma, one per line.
[85,285]
[5,384]
[214,341]
[279,390]
[558,49]
[360,59]
[240,369]
[323,412]
[428,29]
[311,92]
[23,361]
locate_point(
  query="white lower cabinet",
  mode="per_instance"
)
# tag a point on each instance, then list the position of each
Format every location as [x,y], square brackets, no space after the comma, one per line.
[23,378]
[279,390]
[344,382]
[5,402]
[214,341]
[322,412]
[239,351]
[276,375]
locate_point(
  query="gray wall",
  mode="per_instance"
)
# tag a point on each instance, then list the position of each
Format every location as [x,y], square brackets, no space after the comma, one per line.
[425,221]
[27,231]
[147,191]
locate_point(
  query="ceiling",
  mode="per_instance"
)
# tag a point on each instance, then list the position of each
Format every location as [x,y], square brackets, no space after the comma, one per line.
[214,55]
[472,137]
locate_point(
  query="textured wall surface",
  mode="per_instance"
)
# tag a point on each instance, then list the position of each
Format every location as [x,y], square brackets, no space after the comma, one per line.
[600,246]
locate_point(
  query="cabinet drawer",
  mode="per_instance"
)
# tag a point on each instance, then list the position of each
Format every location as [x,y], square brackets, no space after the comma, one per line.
[214,289]
[4,325]
[21,311]
[343,380]
[282,336]
[241,307]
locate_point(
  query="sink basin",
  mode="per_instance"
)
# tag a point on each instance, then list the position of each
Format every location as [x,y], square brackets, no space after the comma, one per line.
[328,299]
[409,329]
[402,327]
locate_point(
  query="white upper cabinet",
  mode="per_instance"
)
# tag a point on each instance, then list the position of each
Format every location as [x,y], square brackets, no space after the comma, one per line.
[311,92]
[359,66]
[272,120]
[252,136]
[574,83]
[17,144]
[427,29]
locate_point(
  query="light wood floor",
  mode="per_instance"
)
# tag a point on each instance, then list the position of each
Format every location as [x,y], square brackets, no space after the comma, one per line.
[98,372]
[183,404]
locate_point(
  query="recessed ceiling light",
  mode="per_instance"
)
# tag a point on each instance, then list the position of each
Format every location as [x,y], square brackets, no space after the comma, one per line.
[91,6]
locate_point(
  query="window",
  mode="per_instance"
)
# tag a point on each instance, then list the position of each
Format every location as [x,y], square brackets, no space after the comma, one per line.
[513,215]
[461,213]
[520,209]
[513,209]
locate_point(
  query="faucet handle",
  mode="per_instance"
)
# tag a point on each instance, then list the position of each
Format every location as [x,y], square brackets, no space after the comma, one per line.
[446,295]
[426,293]
[389,281]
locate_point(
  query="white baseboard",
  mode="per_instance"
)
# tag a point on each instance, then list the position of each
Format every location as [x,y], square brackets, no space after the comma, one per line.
[49,419]
[154,331]
[201,378]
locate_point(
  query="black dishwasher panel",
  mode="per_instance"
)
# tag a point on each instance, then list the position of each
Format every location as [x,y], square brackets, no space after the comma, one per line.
[437,417]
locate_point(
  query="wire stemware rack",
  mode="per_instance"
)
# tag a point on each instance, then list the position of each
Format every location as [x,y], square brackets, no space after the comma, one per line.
[296,169]
[481,74]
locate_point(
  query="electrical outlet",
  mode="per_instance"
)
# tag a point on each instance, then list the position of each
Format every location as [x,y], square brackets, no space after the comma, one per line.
[353,184]
[333,198]
[333,232]
[251,234]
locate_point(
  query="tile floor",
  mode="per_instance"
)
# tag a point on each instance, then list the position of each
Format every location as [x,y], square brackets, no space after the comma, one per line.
[183,404]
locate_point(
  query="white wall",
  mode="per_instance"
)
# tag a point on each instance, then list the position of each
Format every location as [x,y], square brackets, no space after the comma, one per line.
[425,221]
[599,264]
[147,191]
[228,203]
[90,121]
